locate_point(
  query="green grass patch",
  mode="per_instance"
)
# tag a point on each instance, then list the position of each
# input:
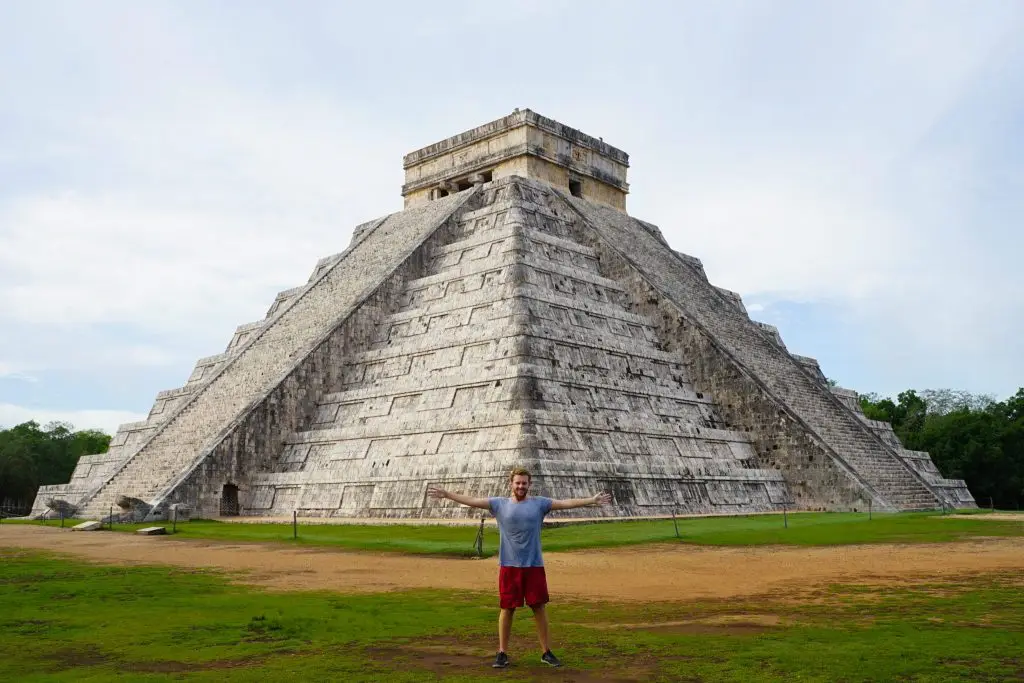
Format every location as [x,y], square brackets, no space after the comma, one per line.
[65,620]
[803,529]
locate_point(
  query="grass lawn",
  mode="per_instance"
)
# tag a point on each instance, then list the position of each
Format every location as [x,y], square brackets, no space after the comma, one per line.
[63,620]
[825,528]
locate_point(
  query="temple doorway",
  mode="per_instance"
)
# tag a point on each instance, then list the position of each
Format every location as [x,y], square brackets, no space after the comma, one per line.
[229,501]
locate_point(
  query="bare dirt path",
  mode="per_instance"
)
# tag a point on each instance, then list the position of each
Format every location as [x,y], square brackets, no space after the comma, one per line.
[639,573]
[1006,516]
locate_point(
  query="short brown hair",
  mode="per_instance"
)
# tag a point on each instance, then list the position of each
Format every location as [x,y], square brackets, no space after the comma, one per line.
[519,472]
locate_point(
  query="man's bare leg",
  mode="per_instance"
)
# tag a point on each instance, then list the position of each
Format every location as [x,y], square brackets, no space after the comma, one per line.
[540,615]
[505,628]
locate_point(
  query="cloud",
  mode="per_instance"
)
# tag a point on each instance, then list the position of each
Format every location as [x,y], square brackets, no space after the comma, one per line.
[160,185]
[10,371]
[105,420]
[858,173]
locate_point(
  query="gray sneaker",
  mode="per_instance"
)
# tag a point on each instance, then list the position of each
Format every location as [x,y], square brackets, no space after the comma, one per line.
[501,661]
[550,658]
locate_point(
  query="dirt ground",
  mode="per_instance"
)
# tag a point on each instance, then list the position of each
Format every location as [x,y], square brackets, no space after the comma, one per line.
[645,573]
[1006,516]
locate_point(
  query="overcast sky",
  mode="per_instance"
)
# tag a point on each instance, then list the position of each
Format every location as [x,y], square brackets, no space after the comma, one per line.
[855,170]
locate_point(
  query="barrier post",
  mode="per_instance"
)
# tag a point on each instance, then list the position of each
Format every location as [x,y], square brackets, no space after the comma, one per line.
[675,523]
[478,544]
[295,525]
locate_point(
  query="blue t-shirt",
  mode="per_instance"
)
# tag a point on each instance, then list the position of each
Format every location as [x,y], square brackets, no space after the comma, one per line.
[519,524]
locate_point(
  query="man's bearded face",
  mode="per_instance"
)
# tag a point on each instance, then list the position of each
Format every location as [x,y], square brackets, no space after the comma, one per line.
[520,486]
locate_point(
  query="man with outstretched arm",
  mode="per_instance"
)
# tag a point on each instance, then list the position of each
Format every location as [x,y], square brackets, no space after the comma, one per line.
[521,576]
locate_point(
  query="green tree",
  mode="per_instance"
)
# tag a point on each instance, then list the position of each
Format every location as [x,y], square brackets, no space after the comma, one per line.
[969,436]
[32,456]
[942,401]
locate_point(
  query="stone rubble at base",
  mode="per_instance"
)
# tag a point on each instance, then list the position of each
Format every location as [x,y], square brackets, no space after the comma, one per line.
[524,319]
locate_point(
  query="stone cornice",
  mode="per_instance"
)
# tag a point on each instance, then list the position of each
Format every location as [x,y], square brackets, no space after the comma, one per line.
[522,117]
[525,149]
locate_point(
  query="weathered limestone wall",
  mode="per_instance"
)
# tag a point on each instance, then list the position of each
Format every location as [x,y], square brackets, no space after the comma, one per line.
[473,149]
[592,189]
[577,152]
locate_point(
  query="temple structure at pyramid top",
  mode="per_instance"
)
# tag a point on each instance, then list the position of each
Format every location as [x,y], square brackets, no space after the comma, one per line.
[512,314]
[523,144]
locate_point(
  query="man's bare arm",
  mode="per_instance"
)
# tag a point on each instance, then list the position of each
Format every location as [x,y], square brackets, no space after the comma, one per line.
[439,493]
[600,499]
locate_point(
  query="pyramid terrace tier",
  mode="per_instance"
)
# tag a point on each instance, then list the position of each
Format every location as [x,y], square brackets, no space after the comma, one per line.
[551,345]
[569,455]
[492,303]
[410,434]
[511,266]
[635,494]
[516,384]
[484,232]
[534,300]
[482,435]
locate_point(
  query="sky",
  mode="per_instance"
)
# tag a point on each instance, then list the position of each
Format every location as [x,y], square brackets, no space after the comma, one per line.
[855,170]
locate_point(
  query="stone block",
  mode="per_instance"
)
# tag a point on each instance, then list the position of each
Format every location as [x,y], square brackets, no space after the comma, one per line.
[88,526]
[61,507]
[152,531]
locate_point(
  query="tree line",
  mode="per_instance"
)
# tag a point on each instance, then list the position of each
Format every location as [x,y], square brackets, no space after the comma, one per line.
[32,456]
[970,436]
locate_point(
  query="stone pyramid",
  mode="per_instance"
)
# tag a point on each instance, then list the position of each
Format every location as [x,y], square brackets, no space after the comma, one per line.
[512,314]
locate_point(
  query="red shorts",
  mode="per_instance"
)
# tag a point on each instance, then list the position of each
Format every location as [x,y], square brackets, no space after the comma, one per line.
[517,585]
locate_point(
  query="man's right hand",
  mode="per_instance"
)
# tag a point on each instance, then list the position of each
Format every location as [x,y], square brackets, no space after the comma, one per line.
[436,492]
